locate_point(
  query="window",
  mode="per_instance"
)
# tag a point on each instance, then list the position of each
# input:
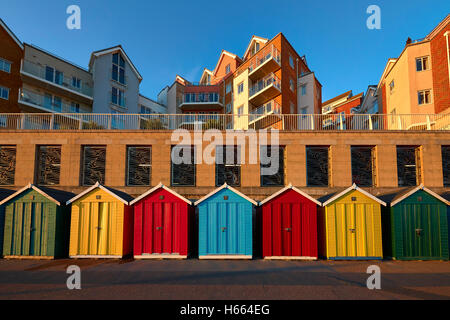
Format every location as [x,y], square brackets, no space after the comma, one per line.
[75,107]
[240,87]
[182,166]
[54,75]
[292,85]
[275,176]
[240,111]
[317,166]
[393,113]
[391,86]
[139,165]
[52,102]
[57,104]
[229,108]
[424,97]
[303,90]
[363,160]
[291,61]
[227,69]
[5,66]
[228,87]
[228,165]
[93,165]
[118,97]
[408,172]
[292,107]
[446,165]
[76,83]
[304,110]
[422,64]
[4,93]
[7,165]
[118,68]
[48,165]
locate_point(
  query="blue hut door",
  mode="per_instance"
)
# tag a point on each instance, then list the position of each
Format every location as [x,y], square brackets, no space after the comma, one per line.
[224,230]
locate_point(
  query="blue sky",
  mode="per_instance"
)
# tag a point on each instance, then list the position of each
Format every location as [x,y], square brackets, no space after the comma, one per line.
[165,38]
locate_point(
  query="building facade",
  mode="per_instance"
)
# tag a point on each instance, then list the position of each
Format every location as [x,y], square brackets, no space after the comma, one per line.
[417,82]
[11,56]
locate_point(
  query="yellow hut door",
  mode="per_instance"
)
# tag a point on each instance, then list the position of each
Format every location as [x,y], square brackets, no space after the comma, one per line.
[351,230]
[95,230]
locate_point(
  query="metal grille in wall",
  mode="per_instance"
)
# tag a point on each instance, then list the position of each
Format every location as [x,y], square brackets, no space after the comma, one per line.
[446,165]
[7,165]
[228,165]
[183,166]
[406,166]
[49,165]
[139,166]
[362,166]
[93,168]
[276,179]
[317,166]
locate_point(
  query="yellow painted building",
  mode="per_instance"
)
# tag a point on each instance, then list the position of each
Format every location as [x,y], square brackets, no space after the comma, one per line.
[101,224]
[240,101]
[350,226]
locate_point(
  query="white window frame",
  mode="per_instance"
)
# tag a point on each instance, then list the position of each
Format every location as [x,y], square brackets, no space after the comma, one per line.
[240,111]
[120,92]
[2,89]
[227,68]
[228,88]
[421,63]
[4,62]
[303,90]
[240,87]
[423,92]
[291,61]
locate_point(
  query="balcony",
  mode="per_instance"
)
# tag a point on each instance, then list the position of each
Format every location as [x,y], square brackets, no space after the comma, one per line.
[264,111]
[35,72]
[35,100]
[268,60]
[265,90]
[201,101]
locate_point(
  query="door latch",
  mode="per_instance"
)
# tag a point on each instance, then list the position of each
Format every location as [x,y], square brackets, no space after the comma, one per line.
[223,229]
[158,228]
[419,232]
[352,230]
[288,229]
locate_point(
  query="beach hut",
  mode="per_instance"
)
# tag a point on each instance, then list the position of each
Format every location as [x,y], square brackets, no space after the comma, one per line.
[225,223]
[417,226]
[36,223]
[350,226]
[289,225]
[162,224]
[3,194]
[101,224]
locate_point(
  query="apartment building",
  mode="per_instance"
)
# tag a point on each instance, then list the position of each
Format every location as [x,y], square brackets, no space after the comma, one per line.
[338,111]
[418,81]
[11,55]
[53,84]
[270,79]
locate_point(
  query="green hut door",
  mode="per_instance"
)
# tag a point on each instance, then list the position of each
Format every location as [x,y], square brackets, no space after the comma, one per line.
[421,236]
[29,230]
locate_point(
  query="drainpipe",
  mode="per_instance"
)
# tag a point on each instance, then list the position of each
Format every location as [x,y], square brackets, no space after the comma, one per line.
[446,35]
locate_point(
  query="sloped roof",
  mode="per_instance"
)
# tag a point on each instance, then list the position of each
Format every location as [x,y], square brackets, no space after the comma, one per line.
[112,50]
[254,38]
[339,97]
[223,53]
[290,187]
[406,193]
[225,186]
[57,196]
[439,27]
[120,195]
[353,187]
[11,34]
[159,186]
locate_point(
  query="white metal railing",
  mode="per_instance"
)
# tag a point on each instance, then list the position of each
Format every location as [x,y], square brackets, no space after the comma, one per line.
[48,102]
[286,122]
[40,72]
[263,83]
[265,54]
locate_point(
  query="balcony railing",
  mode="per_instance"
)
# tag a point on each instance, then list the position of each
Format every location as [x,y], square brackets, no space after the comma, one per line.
[40,101]
[270,80]
[65,82]
[285,122]
[269,108]
[265,54]
[207,97]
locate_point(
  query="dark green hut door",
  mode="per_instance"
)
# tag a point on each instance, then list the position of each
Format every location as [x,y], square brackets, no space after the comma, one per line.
[421,236]
[28,234]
